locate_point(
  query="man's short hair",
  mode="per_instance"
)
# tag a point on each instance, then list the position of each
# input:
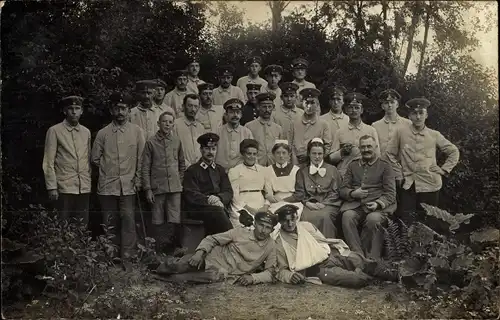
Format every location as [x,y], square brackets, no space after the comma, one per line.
[169,113]
[192,96]
[366,137]
[286,210]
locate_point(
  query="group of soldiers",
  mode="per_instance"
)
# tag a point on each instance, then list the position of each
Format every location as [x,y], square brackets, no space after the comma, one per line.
[191,152]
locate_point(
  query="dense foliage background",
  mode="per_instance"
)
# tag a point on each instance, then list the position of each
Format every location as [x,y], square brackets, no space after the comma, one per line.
[51,49]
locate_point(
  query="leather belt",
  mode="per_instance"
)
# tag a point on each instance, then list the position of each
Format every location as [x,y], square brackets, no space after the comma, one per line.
[245,191]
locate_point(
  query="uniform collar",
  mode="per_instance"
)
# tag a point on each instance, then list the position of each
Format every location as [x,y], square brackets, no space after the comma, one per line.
[161,136]
[391,121]
[203,109]
[300,84]
[205,166]
[190,78]
[281,166]
[230,129]
[190,123]
[253,168]
[70,127]
[364,163]
[311,121]
[221,89]
[337,116]
[140,107]
[179,92]
[116,127]
[421,132]
[358,127]
[264,122]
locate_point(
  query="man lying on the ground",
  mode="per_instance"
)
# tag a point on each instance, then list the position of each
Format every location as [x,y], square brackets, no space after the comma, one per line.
[302,251]
[237,253]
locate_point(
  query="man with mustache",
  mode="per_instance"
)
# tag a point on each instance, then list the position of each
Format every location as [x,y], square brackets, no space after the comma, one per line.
[236,254]
[206,188]
[288,112]
[193,69]
[209,115]
[369,191]
[188,129]
[175,97]
[412,150]
[254,66]
[264,130]
[273,73]
[251,108]
[231,134]
[146,113]
[226,90]
[117,151]
[309,126]
[345,144]
[66,164]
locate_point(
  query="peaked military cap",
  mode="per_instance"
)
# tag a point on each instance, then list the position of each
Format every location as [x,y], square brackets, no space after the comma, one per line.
[161,83]
[208,139]
[266,217]
[205,86]
[253,86]
[145,84]
[179,73]
[226,70]
[286,210]
[192,59]
[248,143]
[354,98]
[389,94]
[254,59]
[417,103]
[273,68]
[233,103]
[336,91]
[265,96]
[289,87]
[71,101]
[300,63]
[119,97]
[309,93]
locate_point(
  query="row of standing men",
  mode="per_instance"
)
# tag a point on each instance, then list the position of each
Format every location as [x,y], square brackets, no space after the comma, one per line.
[115,151]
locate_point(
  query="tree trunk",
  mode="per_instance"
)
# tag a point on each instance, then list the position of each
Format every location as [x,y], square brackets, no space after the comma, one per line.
[411,34]
[387,36]
[277,8]
[426,34]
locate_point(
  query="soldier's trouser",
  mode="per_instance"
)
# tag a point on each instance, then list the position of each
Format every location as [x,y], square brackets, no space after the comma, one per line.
[215,219]
[342,271]
[118,212]
[323,219]
[371,241]
[74,206]
[178,269]
[410,207]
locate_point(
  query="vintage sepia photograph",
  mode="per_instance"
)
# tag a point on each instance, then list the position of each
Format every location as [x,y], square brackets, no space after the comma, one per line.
[249,160]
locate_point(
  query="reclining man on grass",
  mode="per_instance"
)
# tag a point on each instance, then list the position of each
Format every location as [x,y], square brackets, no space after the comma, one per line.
[304,254]
[237,253]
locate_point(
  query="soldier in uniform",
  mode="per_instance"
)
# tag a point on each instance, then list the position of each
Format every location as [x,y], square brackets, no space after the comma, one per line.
[254,66]
[66,164]
[250,110]
[336,118]
[264,130]
[369,191]
[226,90]
[273,74]
[209,115]
[159,97]
[288,112]
[412,149]
[299,67]
[175,97]
[147,112]
[231,134]
[193,68]
[117,152]
[386,126]
[346,142]
[206,188]
[309,126]
[188,129]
